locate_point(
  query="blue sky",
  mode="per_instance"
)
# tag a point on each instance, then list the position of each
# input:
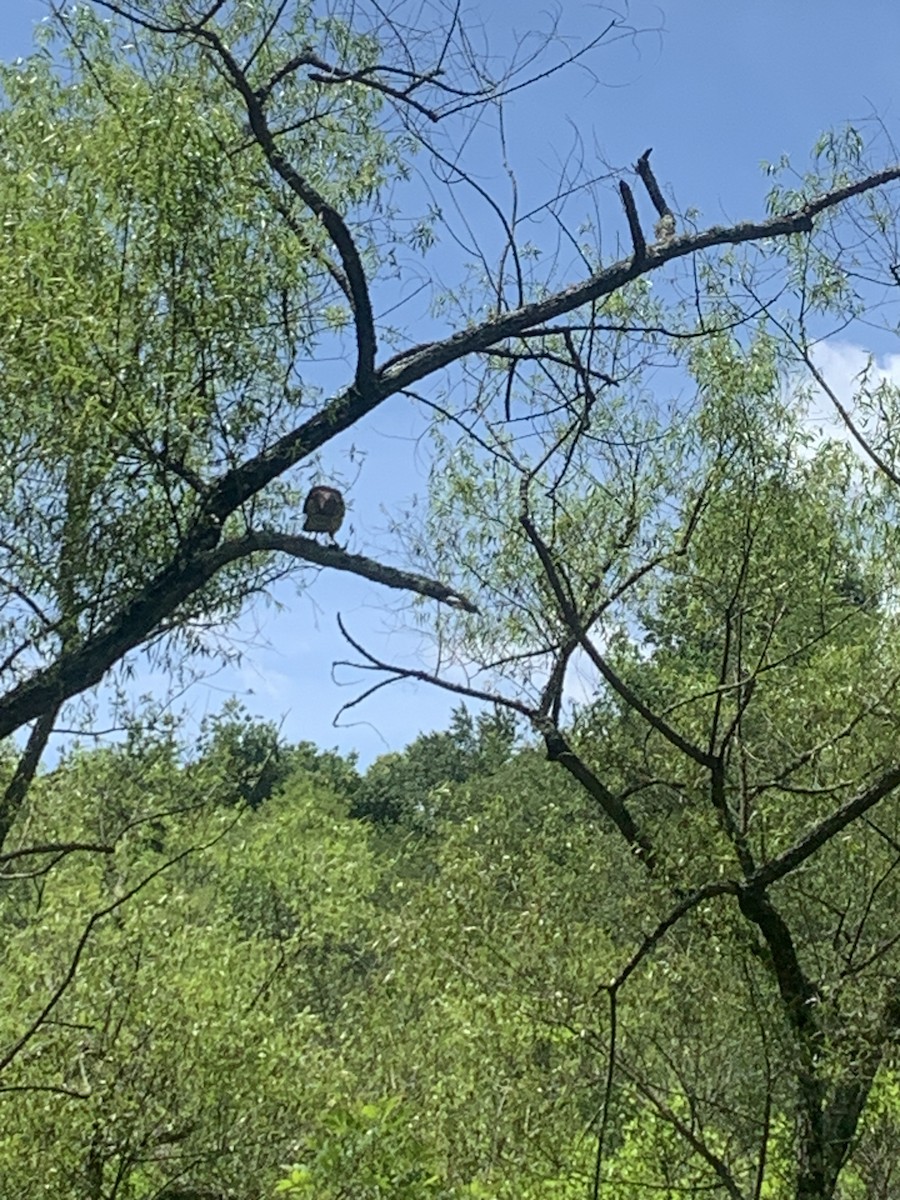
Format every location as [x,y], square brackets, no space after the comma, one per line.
[714,88]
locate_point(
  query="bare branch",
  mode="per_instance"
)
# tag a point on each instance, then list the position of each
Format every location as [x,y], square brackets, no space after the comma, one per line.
[558,748]
[638,240]
[460,689]
[333,222]
[309,550]
[643,168]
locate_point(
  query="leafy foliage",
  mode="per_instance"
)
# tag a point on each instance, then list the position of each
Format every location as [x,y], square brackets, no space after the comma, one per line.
[632,930]
[399,788]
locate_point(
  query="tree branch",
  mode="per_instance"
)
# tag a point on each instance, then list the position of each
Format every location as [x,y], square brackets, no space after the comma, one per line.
[187,573]
[25,770]
[645,171]
[309,550]
[559,750]
[573,623]
[638,241]
[776,868]
[725,887]
[331,219]
[189,567]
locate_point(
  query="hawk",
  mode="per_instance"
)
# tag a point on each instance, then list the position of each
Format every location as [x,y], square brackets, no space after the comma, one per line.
[324,509]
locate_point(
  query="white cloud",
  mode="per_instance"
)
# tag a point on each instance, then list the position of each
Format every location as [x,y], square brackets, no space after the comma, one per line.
[845,366]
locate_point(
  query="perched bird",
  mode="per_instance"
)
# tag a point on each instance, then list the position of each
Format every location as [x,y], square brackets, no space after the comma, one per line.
[665,229]
[324,509]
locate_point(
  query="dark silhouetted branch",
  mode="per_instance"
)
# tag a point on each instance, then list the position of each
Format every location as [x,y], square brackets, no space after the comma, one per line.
[638,240]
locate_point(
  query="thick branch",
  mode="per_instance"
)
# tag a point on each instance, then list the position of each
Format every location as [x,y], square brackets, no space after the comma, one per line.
[199,561]
[800,1002]
[408,368]
[797,993]
[559,750]
[84,666]
[826,829]
[845,1108]
[331,219]
[825,1132]
[645,171]
[339,560]
[189,567]
[638,241]
[16,789]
